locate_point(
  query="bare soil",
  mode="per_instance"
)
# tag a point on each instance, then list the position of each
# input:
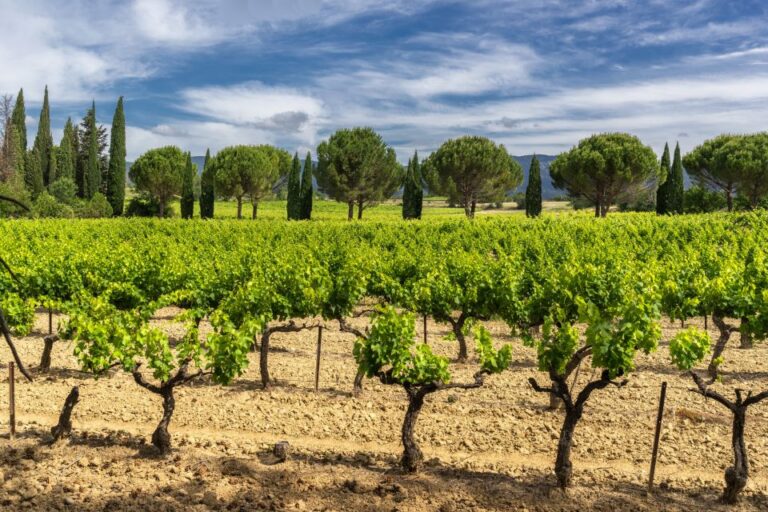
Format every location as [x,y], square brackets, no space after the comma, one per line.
[486,449]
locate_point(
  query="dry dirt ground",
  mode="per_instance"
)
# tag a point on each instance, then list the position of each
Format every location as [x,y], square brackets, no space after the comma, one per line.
[487,449]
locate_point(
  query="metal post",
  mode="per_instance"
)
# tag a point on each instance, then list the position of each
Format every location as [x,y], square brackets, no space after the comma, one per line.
[12,398]
[659,418]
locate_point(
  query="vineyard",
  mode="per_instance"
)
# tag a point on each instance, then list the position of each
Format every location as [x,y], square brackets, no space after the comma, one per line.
[458,363]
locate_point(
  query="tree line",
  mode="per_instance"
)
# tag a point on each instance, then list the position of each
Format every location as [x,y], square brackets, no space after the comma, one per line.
[84,174]
[81,176]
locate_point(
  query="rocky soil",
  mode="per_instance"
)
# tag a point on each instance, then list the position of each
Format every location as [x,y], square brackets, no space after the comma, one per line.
[487,449]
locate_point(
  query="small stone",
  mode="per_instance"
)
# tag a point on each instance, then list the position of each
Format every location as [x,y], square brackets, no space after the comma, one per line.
[210,499]
[281,450]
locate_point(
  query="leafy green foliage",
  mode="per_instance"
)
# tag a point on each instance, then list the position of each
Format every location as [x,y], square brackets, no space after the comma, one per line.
[533,190]
[689,347]
[19,313]
[491,360]
[390,348]
[115,189]
[160,174]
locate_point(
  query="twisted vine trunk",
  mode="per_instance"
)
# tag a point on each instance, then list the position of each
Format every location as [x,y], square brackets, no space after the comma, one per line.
[746,337]
[737,475]
[161,438]
[45,359]
[457,326]
[412,455]
[357,388]
[264,359]
[563,466]
[64,427]
[722,341]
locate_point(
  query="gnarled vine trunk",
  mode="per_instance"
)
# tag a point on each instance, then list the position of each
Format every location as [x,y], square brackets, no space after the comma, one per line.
[457,326]
[161,438]
[45,359]
[746,337]
[264,359]
[412,455]
[737,475]
[563,466]
[722,341]
[64,427]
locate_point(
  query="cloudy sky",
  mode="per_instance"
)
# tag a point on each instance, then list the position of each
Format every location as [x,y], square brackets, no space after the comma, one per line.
[534,75]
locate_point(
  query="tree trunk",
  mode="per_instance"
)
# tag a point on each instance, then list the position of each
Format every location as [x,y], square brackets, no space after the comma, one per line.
[161,211]
[457,327]
[45,359]
[598,209]
[255,210]
[729,200]
[263,359]
[360,207]
[736,476]
[722,341]
[350,210]
[239,207]
[357,388]
[474,208]
[161,439]
[64,427]
[555,402]
[604,210]
[412,456]
[563,466]
[746,337]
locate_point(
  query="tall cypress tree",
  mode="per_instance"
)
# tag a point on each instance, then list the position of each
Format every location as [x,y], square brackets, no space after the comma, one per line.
[116,171]
[294,189]
[663,205]
[408,191]
[44,141]
[33,173]
[307,192]
[533,190]
[91,169]
[67,155]
[207,192]
[19,120]
[413,193]
[676,192]
[417,198]
[188,190]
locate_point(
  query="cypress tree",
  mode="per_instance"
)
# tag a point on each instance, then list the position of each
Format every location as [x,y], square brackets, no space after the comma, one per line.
[53,165]
[16,156]
[91,170]
[19,120]
[67,158]
[417,199]
[116,171]
[33,173]
[676,191]
[307,192]
[663,206]
[533,190]
[188,190]
[408,191]
[207,192]
[294,190]
[44,141]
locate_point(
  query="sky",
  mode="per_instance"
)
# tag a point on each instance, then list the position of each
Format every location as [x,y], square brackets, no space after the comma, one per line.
[537,76]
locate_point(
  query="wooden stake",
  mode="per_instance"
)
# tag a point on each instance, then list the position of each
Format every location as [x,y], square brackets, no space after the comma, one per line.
[659,418]
[317,363]
[425,329]
[50,321]
[12,398]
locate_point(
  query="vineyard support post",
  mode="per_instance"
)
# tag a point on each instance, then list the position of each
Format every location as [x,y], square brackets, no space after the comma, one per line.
[659,419]
[50,321]
[425,329]
[12,399]
[317,363]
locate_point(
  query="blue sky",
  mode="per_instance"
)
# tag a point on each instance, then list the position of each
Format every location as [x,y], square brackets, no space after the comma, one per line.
[536,76]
